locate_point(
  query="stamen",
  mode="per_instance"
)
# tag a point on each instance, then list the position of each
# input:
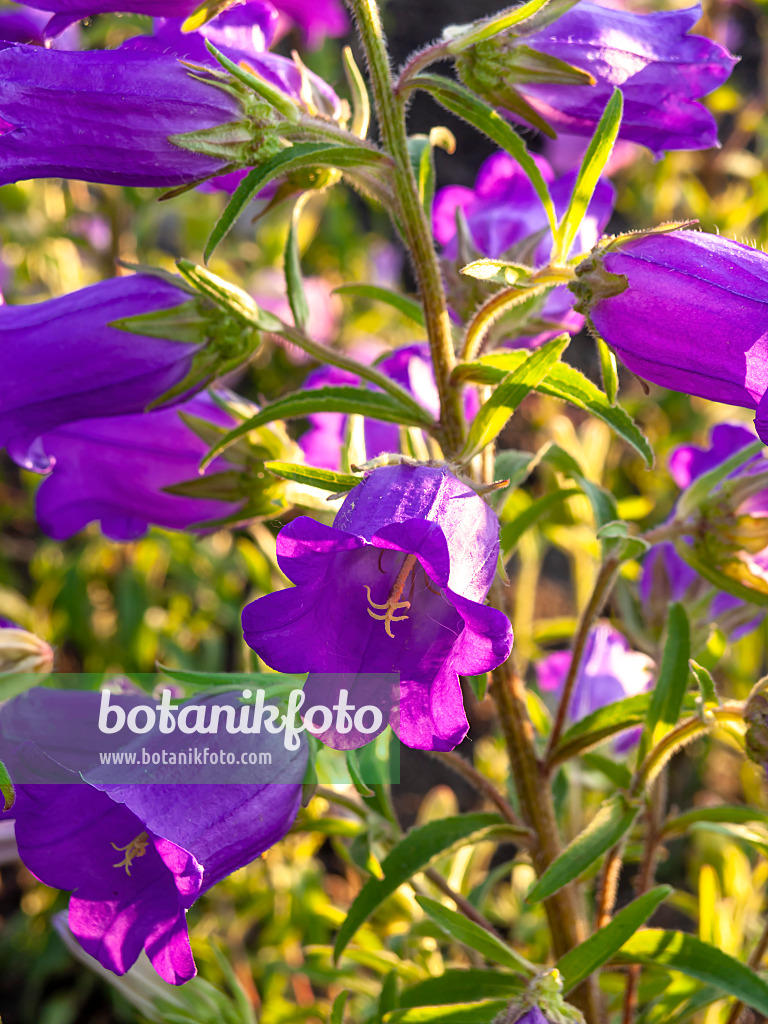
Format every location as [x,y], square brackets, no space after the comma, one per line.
[136,848]
[393,603]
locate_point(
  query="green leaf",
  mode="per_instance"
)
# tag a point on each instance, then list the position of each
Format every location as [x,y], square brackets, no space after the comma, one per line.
[487,28]
[608,826]
[459,986]
[471,108]
[672,682]
[389,996]
[707,687]
[697,959]
[470,934]
[493,415]
[512,532]
[600,725]
[719,579]
[7,791]
[730,815]
[232,680]
[337,1010]
[302,154]
[603,503]
[702,487]
[373,404]
[485,1012]
[412,854]
[566,383]
[615,771]
[420,150]
[353,767]
[410,308]
[313,476]
[609,370]
[592,165]
[294,283]
[577,965]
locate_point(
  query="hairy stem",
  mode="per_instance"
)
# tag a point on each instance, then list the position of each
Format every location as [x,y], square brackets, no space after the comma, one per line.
[413,221]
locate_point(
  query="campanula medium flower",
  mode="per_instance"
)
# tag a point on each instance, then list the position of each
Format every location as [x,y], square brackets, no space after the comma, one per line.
[686,310]
[661,69]
[62,361]
[135,857]
[396,585]
[117,470]
[501,212]
[609,671]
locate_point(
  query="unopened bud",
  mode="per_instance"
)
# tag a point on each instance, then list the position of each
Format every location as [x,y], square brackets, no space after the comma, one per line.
[21,651]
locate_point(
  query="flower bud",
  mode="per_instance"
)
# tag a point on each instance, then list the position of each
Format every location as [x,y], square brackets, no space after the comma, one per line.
[21,651]
[542,1003]
[562,73]
[756,737]
[686,310]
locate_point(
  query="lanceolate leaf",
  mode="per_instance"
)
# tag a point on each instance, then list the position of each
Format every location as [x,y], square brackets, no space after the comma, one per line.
[301,155]
[347,399]
[738,815]
[697,959]
[7,791]
[459,986]
[408,307]
[671,684]
[471,108]
[485,1012]
[337,1010]
[492,416]
[564,382]
[577,965]
[606,828]
[420,149]
[412,854]
[294,283]
[470,934]
[313,476]
[592,165]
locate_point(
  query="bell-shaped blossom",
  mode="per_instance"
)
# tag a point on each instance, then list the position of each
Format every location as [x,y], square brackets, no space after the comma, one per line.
[396,585]
[667,577]
[411,367]
[661,69]
[135,857]
[609,671]
[118,470]
[501,212]
[686,310]
[62,361]
[109,115]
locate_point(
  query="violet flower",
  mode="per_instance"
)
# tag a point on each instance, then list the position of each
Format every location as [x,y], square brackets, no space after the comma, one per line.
[62,361]
[315,19]
[396,585]
[686,310]
[501,212]
[117,469]
[108,116]
[609,672]
[666,576]
[661,69]
[135,857]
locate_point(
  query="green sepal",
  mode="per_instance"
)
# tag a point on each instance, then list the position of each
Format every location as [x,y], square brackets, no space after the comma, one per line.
[7,791]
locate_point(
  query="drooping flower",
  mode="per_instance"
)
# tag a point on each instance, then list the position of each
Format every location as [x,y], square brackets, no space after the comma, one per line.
[135,857]
[118,470]
[410,366]
[123,118]
[501,212]
[667,577]
[609,671]
[686,310]
[661,69]
[62,361]
[396,585]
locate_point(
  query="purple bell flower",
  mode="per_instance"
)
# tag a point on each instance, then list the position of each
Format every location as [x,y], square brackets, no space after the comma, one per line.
[107,116]
[396,585]
[116,469]
[502,211]
[686,310]
[135,857]
[661,69]
[609,672]
[315,19]
[62,361]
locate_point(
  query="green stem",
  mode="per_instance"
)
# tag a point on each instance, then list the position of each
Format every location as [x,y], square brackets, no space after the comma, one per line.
[414,222]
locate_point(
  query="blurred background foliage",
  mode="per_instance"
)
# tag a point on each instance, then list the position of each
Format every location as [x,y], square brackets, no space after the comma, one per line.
[177,598]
